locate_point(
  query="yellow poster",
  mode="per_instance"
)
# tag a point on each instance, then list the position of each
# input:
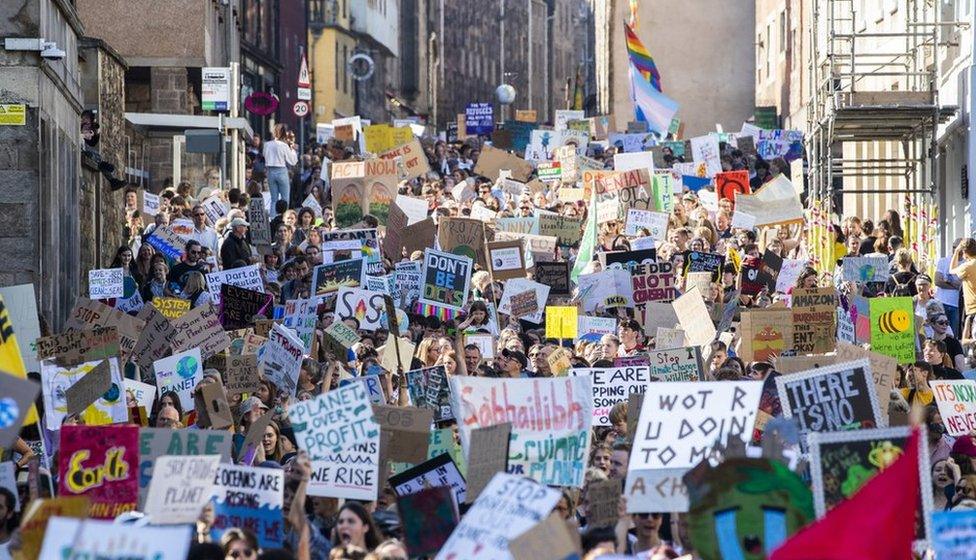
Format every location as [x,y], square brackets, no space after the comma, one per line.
[10,359]
[13,114]
[561,321]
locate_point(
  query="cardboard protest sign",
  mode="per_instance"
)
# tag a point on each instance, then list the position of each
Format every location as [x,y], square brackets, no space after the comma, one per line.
[338,431]
[552,538]
[180,373]
[363,187]
[564,419]
[957,404]
[216,406]
[171,307]
[830,399]
[105,283]
[439,471]
[773,204]
[567,230]
[492,160]
[156,442]
[669,338]
[796,364]
[281,361]
[464,236]
[522,304]
[865,269]
[766,333]
[412,162]
[181,487]
[428,517]
[553,274]
[248,277]
[506,259]
[410,429]
[446,279]
[90,538]
[71,348]
[841,463]
[90,314]
[487,456]
[522,503]
[602,503]
[241,375]
[252,498]
[562,322]
[524,307]
[676,364]
[612,386]
[342,336]
[100,463]
[893,327]
[108,408]
[35,517]
[154,341]
[694,318]
[814,320]
[240,306]
[200,328]
[89,388]
[16,398]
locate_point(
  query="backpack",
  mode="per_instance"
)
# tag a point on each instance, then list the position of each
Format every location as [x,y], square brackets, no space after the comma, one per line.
[902,289]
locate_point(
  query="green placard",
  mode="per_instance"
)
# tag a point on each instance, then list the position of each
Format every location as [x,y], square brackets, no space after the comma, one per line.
[893,327]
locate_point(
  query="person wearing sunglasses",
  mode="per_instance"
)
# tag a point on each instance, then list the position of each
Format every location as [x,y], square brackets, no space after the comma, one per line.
[193,253]
[239,544]
[937,328]
[203,232]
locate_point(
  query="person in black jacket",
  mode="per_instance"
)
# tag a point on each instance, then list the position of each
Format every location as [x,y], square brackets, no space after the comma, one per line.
[235,247]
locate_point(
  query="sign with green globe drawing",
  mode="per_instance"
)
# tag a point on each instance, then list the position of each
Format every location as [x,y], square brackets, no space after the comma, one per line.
[180,373]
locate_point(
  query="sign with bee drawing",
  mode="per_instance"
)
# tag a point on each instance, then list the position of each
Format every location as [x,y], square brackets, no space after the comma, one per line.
[893,327]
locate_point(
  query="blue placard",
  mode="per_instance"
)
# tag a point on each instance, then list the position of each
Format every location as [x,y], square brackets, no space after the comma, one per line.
[479,119]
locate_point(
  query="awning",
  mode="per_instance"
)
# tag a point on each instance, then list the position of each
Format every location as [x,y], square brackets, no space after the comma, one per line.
[166,120]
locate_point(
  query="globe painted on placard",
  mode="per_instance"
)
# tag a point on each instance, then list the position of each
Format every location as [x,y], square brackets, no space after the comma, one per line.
[9,411]
[186,367]
[113,394]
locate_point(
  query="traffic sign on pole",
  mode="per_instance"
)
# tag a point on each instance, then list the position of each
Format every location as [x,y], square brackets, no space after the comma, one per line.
[304,82]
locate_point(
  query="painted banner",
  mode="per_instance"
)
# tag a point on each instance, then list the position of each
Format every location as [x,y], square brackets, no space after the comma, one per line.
[831,399]
[957,404]
[893,327]
[446,279]
[342,438]
[612,386]
[553,413]
[250,498]
[100,463]
[509,506]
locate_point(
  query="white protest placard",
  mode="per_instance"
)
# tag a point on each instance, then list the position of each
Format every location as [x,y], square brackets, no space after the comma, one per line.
[150,203]
[592,329]
[665,337]
[105,283]
[509,506]
[709,200]
[654,222]
[181,485]
[312,204]
[245,277]
[281,361]
[789,273]
[520,285]
[484,342]
[215,208]
[142,394]
[612,386]
[704,149]
[250,497]
[694,318]
[634,160]
[342,438]
[608,210]
[741,220]
[676,364]
[21,304]
[365,306]
[180,373]
[681,421]
[67,537]
[641,243]
[562,420]
[55,382]
[957,405]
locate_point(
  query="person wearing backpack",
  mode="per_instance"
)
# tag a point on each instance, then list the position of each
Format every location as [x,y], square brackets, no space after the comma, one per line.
[902,282]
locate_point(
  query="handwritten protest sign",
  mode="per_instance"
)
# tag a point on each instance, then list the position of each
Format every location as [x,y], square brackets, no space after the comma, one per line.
[957,404]
[676,364]
[429,389]
[100,463]
[652,282]
[410,429]
[245,277]
[832,398]
[694,318]
[200,328]
[181,487]
[71,348]
[108,408]
[439,471]
[446,279]
[180,373]
[553,274]
[766,333]
[342,438]
[105,283]
[893,327]
[171,307]
[562,420]
[814,320]
[612,386]
[239,307]
[156,442]
[549,539]
[242,374]
[281,361]
[522,503]
[89,314]
[364,306]
[954,534]
[250,498]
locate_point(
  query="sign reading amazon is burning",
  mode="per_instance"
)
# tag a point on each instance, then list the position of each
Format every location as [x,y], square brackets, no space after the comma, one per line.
[551,420]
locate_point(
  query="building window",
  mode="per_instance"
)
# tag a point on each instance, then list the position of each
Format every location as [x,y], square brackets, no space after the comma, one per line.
[345,70]
[782,31]
[337,65]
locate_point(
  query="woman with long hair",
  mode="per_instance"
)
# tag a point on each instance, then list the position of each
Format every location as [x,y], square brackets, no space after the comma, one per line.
[195,289]
[123,259]
[278,155]
[355,526]
[239,544]
[428,351]
[142,267]
[275,446]
[157,284]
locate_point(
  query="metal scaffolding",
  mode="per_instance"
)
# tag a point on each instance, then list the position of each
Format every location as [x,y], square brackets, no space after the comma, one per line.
[874,84]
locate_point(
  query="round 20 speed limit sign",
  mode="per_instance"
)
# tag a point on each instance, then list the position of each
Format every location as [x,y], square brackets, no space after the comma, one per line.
[300,109]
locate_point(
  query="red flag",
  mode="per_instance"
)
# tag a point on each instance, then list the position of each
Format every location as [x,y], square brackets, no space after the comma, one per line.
[874,524]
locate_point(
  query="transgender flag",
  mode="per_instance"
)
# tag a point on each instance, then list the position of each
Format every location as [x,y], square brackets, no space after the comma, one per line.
[650,104]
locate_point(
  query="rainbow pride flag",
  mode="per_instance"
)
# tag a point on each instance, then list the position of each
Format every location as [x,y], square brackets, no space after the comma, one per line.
[641,58]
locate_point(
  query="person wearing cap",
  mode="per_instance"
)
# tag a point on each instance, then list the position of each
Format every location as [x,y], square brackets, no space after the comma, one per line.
[235,249]
[512,364]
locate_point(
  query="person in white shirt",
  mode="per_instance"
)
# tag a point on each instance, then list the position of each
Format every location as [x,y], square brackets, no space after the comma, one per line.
[278,155]
[947,289]
[202,232]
